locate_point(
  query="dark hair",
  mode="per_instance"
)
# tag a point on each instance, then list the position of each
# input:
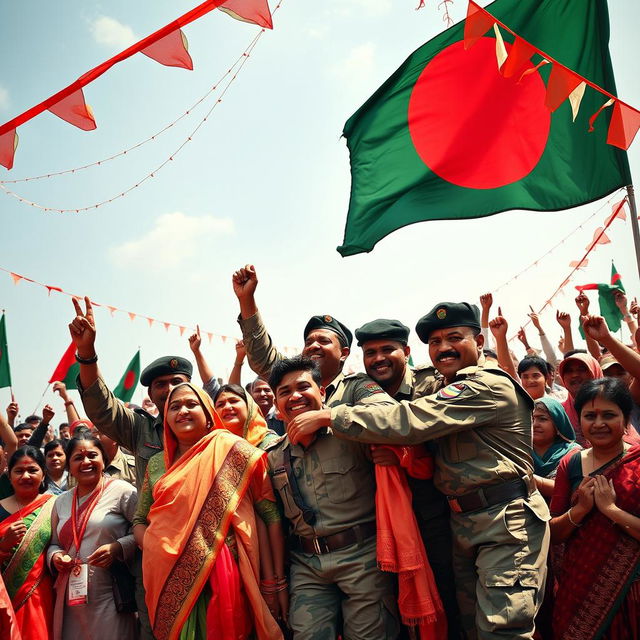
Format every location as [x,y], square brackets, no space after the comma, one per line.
[551,367]
[490,353]
[288,365]
[22,426]
[63,425]
[573,353]
[33,418]
[35,454]
[236,389]
[52,445]
[85,436]
[533,361]
[611,389]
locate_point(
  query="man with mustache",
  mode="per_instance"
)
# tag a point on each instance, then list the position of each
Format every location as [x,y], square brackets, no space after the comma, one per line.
[482,420]
[385,354]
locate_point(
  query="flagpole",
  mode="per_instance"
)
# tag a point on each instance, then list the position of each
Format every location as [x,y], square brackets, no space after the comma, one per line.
[634,223]
[42,396]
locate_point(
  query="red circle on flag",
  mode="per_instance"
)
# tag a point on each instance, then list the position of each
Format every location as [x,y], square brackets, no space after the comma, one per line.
[129,379]
[473,127]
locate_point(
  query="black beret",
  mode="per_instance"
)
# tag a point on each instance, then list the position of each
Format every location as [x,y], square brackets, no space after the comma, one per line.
[448,314]
[165,366]
[330,323]
[382,329]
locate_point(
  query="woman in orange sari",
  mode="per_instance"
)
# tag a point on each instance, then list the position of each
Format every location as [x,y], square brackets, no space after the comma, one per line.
[25,531]
[196,525]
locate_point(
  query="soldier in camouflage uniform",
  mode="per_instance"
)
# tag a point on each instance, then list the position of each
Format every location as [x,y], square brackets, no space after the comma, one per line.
[385,354]
[482,418]
[326,486]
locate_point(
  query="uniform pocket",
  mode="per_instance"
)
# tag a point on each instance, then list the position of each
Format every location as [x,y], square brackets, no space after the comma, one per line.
[509,598]
[282,488]
[338,479]
[460,448]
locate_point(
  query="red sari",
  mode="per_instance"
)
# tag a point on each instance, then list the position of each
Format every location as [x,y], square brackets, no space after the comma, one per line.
[598,587]
[28,582]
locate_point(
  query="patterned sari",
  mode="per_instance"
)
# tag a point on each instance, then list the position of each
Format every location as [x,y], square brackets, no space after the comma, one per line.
[28,583]
[204,495]
[599,584]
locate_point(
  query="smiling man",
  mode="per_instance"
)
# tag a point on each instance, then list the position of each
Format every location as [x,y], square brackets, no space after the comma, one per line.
[326,486]
[482,420]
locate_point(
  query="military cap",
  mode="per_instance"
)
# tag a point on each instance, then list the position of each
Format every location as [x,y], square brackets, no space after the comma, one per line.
[448,314]
[382,329]
[329,322]
[165,366]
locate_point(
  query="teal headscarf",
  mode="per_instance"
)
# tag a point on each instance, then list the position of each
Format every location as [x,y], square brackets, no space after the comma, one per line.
[564,442]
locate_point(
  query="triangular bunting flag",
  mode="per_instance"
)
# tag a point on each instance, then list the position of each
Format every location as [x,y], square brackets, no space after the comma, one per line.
[127,385]
[575,99]
[166,325]
[518,59]
[132,316]
[182,330]
[150,321]
[51,288]
[598,238]
[561,84]
[210,336]
[576,264]
[172,51]
[624,125]
[68,369]
[477,23]
[74,110]
[5,369]
[501,50]
[8,146]
[617,211]
[593,118]
[112,310]
[254,11]
[16,278]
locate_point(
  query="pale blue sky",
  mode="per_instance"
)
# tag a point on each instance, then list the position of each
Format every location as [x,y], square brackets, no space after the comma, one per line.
[266,180]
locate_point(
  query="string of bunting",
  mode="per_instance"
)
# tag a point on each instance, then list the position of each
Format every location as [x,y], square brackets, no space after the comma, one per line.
[563,84]
[621,214]
[168,46]
[443,6]
[17,278]
[599,237]
[150,174]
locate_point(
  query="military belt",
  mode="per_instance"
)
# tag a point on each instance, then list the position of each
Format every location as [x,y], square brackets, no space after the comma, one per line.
[325,544]
[489,496]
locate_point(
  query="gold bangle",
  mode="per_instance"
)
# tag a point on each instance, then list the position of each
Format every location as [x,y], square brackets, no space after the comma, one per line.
[575,524]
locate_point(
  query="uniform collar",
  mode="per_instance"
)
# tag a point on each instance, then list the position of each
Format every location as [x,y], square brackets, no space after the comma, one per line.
[333,385]
[405,390]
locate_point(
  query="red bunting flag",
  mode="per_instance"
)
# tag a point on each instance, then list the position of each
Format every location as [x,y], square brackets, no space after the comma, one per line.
[68,369]
[16,278]
[132,316]
[617,211]
[577,264]
[75,111]
[182,330]
[210,336]
[624,125]
[51,288]
[172,50]
[166,325]
[150,321]
[478,22]
[254,11]
[599,237]
[561,84]
[518,59]
[8,146]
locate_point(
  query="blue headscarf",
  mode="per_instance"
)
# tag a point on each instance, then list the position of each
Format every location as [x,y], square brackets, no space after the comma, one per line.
[564,442]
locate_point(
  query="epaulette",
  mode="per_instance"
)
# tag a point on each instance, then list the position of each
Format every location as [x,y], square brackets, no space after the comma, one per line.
[274,443]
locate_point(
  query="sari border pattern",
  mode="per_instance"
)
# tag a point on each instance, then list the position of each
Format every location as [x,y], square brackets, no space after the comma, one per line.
[205,539]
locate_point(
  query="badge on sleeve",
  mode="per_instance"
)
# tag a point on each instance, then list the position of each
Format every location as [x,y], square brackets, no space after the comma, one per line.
[451,391]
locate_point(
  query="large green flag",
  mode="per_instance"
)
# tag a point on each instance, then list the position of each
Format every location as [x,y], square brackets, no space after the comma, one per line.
[5,369]
[607,299]
[129,380]
[447,136]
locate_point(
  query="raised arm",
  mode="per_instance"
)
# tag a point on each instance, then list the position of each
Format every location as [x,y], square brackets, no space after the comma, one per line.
[235,376]
[486,300]
[582,302]
[549,353]
[40,432]
[7,436]
[69,406]
[564,320]
[499,327]
[620,298]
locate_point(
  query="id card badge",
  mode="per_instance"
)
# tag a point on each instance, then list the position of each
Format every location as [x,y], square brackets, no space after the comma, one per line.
[78,585]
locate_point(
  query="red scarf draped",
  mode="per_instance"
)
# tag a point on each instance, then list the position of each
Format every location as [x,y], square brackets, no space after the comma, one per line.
[399,544]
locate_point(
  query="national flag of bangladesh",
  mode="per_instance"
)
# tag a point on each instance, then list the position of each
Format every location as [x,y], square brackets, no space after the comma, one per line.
[607,299]
[5,369]
[447,136]
[68,369]
[129,380]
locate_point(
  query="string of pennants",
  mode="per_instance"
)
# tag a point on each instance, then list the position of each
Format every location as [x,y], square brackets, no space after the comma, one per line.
[168,46]
[17,278]
[563,84]
[599,237]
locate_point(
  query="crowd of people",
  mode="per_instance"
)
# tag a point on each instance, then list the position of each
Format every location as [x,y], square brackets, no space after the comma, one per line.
[479,496]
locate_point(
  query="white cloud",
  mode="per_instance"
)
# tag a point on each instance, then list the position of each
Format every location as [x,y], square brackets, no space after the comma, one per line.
[175,238]
[112,33]
[4,98]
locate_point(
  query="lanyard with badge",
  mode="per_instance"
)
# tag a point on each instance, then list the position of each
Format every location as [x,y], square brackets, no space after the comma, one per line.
[79,575]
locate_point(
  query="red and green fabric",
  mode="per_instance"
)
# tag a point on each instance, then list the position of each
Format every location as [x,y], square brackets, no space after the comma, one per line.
[129,381]
[5,369]
[606,299]
[448,137]
[68,369]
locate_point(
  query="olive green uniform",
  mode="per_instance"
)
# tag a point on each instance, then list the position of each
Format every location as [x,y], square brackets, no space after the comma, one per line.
[483,422]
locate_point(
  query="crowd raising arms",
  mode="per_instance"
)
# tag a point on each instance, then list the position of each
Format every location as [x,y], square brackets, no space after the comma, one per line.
[220,490]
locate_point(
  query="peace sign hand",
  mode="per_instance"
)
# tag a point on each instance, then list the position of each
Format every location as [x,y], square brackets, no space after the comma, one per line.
[83,329]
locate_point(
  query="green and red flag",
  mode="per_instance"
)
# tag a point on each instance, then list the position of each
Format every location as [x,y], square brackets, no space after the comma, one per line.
[450,136]
[5,369]
[607,299]
[68,369]
[128,382]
